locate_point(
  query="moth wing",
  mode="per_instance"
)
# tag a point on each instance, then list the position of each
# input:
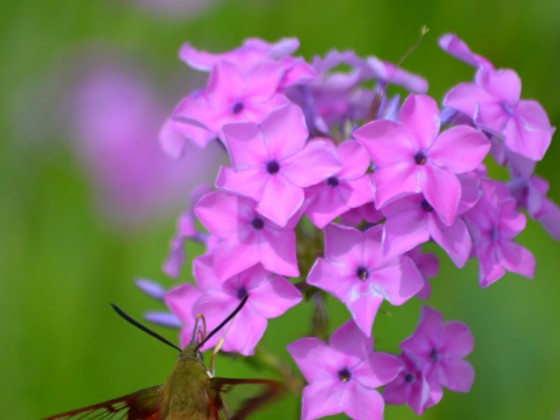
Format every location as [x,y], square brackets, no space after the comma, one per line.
[140,405]
[238,398]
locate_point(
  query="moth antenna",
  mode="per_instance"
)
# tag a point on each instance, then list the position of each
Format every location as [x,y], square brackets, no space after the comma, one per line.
[224,322]
[143,327]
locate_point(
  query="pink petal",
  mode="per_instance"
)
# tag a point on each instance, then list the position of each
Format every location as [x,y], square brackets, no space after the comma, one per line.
[467,98]
[218,212]
[405,231]
[454,239]
[400,280]
[420,115]
[456,375]
[517,259]
[180,301]
[285,131]
[262,81]
[379,370]
[457,340]
[247,329]
[504,84]
[349,340]
[314,163]
[226,82]
[328,203]
[280,211]
[363,404]
[278,252]
[490,270]
[451,44]
[459,149]
[354,158]
[321,399]
[274,296]
[330,277]
[397,181]
[363,303]
[232,257]
[316,360]
[443,191]
[246,146]
[387,143]
[527,133]
[250,182]
[204,274]
[341,241]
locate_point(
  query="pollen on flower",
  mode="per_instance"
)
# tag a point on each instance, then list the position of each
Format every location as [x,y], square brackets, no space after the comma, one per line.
[344,375]
[420,158]
[362,273]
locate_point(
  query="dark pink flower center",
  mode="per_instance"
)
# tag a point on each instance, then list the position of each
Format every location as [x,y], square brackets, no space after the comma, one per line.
[426,206]
[409,377]
[333,182]
[237,107]
[241,293]
[420,158]
[344,375]
[272,167]
[258,223]
[362,273]
[434,355]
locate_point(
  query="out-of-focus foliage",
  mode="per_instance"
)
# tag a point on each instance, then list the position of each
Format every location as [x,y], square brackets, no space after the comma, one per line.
[60,263]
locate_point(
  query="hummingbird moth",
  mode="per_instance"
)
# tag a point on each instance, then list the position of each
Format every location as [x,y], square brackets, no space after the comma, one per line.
[190,393]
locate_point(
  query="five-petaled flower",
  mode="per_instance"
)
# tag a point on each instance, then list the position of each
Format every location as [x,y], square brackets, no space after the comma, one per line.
[343,375]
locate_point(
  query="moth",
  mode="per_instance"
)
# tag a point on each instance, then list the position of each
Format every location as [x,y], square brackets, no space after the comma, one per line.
[190,393]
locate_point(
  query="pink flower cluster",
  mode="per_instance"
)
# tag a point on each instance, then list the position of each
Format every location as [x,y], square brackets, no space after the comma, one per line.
[340,184]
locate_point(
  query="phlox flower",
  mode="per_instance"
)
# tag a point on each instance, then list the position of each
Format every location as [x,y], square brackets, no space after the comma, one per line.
[269,297]
[439,349]
[357,273]
[530,194]
[272,162]
[494,223]
[349,188]
[410,157]
[412,221]
[343,375]
[231,95]
[493,102]
[410,387]
[245,237]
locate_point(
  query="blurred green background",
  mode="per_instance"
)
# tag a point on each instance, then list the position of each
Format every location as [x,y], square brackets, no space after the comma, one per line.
[61,346]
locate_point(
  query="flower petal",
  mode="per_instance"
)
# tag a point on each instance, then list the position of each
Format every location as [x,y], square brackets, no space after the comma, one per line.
[420,115]
[443,191]
[459,149]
